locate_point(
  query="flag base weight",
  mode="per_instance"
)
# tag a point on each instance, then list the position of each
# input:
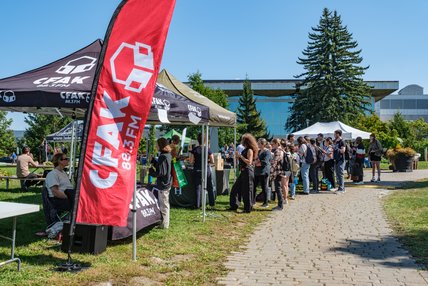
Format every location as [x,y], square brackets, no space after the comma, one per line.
[69,267]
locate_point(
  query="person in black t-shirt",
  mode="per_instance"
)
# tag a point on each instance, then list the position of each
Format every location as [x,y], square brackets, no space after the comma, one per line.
[197,174]
[339,160]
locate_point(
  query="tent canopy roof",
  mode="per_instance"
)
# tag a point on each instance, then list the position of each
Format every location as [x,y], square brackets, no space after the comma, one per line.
[328,128]
[173,132]
[218,116]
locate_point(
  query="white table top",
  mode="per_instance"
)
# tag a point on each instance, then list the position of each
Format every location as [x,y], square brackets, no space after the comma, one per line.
[8,209]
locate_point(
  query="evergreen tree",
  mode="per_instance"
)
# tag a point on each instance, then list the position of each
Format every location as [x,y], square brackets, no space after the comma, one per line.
[41,125]
[249,119]
[7,137]
[332,87]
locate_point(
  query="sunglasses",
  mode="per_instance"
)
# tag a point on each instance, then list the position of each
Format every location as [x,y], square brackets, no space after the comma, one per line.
[65,159]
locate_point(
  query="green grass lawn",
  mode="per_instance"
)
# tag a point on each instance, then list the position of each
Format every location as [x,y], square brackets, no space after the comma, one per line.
[407,209]
[189,253]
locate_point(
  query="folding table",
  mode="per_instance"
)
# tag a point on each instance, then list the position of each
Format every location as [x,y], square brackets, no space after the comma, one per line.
[14,210]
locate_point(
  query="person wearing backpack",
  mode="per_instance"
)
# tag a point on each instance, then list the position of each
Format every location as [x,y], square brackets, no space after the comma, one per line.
[329,162]
[262,170]
[304,159]
[339,161]
[314,168]
[295,168]
[286,169]
[276,172]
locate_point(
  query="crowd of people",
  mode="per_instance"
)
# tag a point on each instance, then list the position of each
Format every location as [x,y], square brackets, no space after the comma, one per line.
[279,165]
[275,166]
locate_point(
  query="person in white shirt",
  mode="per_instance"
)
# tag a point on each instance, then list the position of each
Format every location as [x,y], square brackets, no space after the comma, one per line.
[60,189]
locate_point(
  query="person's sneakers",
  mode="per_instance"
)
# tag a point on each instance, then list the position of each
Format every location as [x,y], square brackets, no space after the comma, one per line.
[373,180]
[286,201]
[359,183]
[378,180]
[265,205]
[333,189]
[341,192]
[304,193]
[292,198]
[277,209]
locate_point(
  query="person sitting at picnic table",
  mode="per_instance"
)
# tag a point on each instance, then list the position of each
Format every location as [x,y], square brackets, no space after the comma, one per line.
[60,190]
[23,163]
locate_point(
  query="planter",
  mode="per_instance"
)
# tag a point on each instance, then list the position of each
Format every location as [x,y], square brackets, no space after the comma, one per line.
[403,163]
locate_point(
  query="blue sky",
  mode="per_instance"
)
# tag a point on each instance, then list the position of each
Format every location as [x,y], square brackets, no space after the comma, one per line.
[224,39]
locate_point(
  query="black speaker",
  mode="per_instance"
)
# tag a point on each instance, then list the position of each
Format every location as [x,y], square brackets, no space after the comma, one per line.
[88,238]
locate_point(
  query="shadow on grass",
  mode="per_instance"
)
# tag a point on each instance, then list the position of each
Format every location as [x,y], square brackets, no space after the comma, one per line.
[414,185]
[388,251]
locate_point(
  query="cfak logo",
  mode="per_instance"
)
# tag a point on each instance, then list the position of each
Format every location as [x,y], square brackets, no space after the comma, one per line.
[7,96]
[132,66]
[70,69]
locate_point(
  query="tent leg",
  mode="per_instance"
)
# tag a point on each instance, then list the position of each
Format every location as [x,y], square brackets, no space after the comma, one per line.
[134,220]
[205,174]
[234,155]
[203,167]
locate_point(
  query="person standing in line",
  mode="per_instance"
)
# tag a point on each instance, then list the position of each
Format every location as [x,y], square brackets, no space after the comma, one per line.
[161,169]
[329,162]
[295,168]
[359,160]
[276,172]
[244,184]
[197,174]
[304,171]
[339,160]
[287,175]
[314,168]
[262,170]
[291,138]
[375,152]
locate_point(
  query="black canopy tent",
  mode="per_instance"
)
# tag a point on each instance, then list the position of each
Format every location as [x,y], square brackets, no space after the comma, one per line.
[63,87]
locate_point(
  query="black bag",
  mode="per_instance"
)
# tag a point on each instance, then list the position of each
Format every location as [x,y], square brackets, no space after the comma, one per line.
[309,158]
[348,152]
[286,163]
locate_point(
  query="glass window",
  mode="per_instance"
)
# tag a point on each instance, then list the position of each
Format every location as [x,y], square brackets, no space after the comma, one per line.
[396,103]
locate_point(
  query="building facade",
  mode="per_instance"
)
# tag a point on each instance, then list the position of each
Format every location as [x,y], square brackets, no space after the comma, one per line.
[410,101]
[274,98]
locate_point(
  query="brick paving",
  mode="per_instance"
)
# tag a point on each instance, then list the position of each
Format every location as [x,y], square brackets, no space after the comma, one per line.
[328,239]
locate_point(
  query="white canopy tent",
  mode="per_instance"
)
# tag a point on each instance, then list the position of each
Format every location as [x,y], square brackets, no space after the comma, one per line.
[328,128]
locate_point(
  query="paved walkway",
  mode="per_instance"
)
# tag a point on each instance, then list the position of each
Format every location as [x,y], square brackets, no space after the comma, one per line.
[328,239]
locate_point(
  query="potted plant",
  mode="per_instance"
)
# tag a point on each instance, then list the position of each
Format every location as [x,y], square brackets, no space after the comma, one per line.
[401,158]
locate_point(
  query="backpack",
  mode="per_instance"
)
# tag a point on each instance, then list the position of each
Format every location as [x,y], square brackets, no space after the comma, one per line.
[319,154]
[286,163]
[294,166]
[310,158]
[348,151]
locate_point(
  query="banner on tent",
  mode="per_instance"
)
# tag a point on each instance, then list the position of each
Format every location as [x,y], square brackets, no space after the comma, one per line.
[130,63]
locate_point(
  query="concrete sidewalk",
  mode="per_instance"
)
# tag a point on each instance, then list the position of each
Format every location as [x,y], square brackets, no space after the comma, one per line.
[328,239]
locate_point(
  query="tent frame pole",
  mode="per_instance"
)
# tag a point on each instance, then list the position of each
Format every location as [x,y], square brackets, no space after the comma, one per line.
[134,219]
[234,154]
[203,167]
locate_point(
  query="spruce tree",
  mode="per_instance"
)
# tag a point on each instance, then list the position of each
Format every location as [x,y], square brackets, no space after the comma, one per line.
[249,119]
[332,87]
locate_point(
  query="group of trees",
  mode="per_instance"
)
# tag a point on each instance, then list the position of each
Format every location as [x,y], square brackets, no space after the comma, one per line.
[332,88]
[396,132]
